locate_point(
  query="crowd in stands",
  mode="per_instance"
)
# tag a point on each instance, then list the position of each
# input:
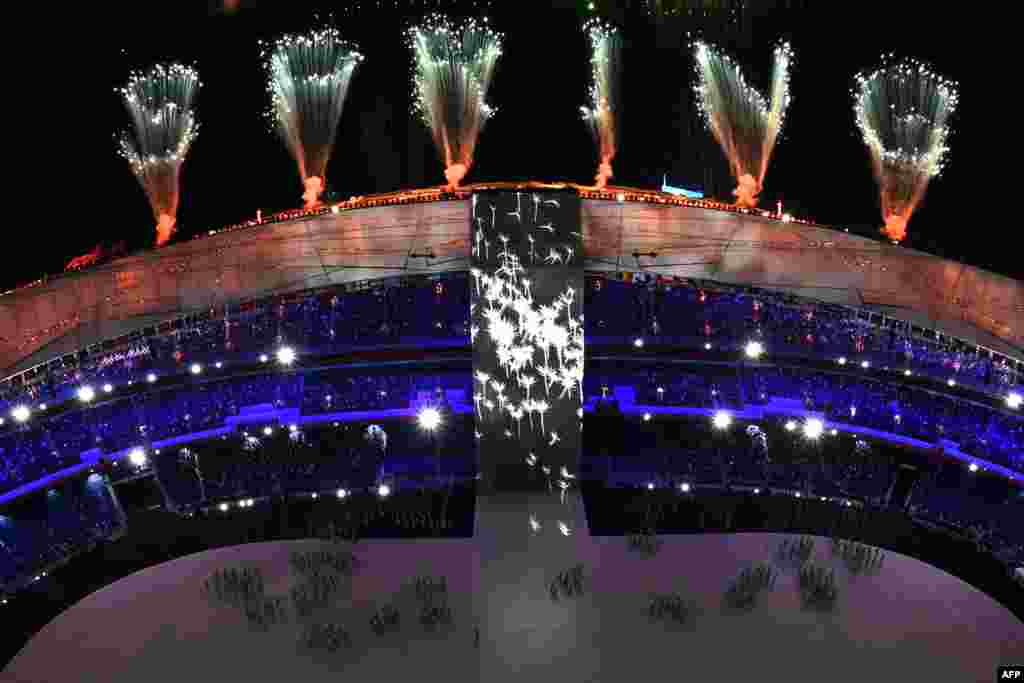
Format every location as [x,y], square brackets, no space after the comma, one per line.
[408,311]
[689,314]
[54,527]
[995,435]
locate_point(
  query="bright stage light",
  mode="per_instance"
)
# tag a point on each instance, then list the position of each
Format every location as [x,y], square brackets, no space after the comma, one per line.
[342,493]
[264,358]
[790,425]
[757,491]
[218,365]
[842,360]
[813,428]
[286,355]
[21,413]
[1014,400]
[151,378]
[907,373]
[973,467]
[650,486]
[707,346]
[223,507]
[196,369]
[293,428]
[684,487]
[638,343]
[107,388]
[647,417]
[429,419]
[754,349]
[721,420]
[864,364]
[951,382]
[383,490]
[137,457]
[267,431]
[86,394]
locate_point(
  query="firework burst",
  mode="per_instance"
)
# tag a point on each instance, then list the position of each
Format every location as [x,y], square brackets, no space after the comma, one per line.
[605,55]
[744,122]
[453,66]
[163,129]
[902,110]
[308,80]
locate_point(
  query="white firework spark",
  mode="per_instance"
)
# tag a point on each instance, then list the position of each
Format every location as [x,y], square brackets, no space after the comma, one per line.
[164,126]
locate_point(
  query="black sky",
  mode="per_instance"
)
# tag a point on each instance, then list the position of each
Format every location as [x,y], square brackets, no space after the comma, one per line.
[236,166]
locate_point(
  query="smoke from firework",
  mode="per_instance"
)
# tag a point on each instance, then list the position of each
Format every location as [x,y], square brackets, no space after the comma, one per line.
[902,111]
[744,123]
[308,80]
[164,126]
[453,66]
[605,55]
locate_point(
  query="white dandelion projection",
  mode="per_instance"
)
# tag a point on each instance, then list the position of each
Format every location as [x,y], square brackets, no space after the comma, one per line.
[744,122]
[903,111]
[308,77]
[164,126]
[537,341]
[453,67]
[600,115]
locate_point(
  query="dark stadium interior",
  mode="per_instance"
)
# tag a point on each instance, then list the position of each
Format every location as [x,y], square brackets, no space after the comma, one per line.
[515,426]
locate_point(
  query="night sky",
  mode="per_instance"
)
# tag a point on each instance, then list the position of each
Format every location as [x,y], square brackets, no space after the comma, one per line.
[820,167]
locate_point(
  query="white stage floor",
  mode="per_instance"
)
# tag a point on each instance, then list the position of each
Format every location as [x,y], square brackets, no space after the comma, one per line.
[909,622]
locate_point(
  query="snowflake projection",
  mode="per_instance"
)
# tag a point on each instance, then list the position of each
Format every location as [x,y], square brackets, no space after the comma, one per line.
[527,321]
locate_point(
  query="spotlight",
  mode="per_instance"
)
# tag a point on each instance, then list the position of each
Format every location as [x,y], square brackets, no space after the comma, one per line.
[263,358]
[151,378]
[286,355]
[707,346]
[684,487]
[196,369]
[429,419]
[864,364]
[638,343]
[650,486]
[42,406]
[267,431]
[293,428]
[756,491]
[721,420]
[223,507]
[973,467]
[823,499]
[842,360]
[834,431]
[383,490]
[849,504]
[951,382]
[107,388]
[647,417]
[342,493]
[137,457]
[21,413]
[798,494]
[1014,400]
[316,495]
[790,425]
[813,428]
[754,349]
[907,373]
[218,365]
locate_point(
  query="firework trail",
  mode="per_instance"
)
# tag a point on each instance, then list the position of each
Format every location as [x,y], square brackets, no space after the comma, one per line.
[453,66]
[605,55]
[745,124]
[164,125]
[308,80]
[902,110]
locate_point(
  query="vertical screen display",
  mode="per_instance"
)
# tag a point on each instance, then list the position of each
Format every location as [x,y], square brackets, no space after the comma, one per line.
[526,290]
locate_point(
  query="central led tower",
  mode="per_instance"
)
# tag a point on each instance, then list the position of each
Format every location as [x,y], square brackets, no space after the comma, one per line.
[527,330]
